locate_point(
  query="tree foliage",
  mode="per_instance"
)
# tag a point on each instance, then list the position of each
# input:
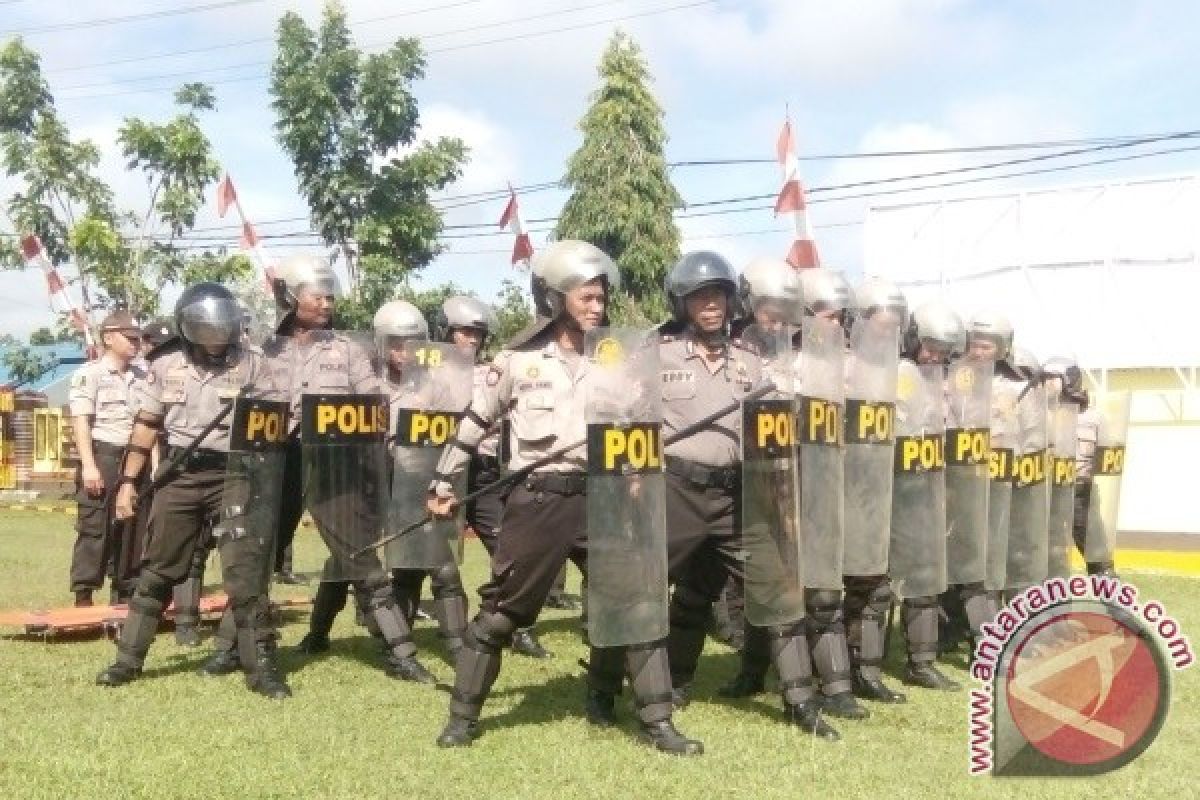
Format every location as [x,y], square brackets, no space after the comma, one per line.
[622,196]
[26,365]
[349,122]
[43,336]
[120,257]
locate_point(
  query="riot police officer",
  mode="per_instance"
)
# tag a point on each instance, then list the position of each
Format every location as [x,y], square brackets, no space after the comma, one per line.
[182,393]
[880,315]
[703,369]
[917,552]
[539,377]
[309,356]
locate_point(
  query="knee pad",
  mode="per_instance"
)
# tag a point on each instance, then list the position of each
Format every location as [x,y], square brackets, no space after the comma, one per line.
[151,584]
[445,581]
[824,608]
[491,629]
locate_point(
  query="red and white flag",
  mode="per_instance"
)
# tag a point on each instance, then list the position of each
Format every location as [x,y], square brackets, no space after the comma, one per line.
[60,301]
[226,196]
[803,252]
[511,219]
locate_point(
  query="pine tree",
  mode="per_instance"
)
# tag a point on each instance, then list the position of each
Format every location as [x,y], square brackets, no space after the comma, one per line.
[622,196]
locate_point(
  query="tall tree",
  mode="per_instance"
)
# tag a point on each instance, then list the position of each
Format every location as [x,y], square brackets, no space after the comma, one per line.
[622,197]
[176,158]
[349,121]
[119,259]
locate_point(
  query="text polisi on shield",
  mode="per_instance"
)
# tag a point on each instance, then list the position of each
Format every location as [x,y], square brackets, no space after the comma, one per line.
[920,453]
[820,422]
[258,425]
[967,447]
[1109,460]
[425,428]
[1064,471]
[1029,469]
[1000,464]
[768,429]
[344,418]
[869,423]
[624,449]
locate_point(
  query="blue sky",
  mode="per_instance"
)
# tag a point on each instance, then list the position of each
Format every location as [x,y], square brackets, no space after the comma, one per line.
[856,76]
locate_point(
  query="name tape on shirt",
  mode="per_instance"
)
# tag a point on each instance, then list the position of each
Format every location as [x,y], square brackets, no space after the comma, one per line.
[820,422]
[624,449]
[768,429]
[425,428]
[1109,460]
[967,447]
[916,454]
[870,423]
[1029,469]
[258,425]
[343,418]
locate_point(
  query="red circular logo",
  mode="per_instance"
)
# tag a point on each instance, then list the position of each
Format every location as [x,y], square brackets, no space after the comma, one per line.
[1087,689]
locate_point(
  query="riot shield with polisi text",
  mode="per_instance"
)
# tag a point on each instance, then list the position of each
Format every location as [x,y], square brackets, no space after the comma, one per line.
[968,415]
[1029,515]
[1002,444]
[1064,419]
[1108,466]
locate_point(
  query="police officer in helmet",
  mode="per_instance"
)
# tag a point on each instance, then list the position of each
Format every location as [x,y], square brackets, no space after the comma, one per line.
[184,391]
[544,519]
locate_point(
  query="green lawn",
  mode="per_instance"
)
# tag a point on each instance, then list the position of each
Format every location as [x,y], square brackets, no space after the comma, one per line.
[352,732]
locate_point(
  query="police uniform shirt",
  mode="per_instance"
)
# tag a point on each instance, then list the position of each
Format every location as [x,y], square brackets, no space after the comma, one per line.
[692,391]
[104,392]
[542,389]
[189,396]
[327,362]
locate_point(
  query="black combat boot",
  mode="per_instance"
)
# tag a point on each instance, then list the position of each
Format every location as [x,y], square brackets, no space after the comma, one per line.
[187,636]
[221,662]
[118,675]
[600,708]
[407,668]
[526,643]
[756,658]
[808,718]
[264,676]
[871,688]
[666,739]
[744,684]
[459,732]
[928,676]
[843,705]
[83,598]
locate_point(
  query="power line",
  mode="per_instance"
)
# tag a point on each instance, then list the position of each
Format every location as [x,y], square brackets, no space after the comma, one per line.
[103,22]
[1103,143]
[440,34]
[468,234]
[513,38]
[227,45]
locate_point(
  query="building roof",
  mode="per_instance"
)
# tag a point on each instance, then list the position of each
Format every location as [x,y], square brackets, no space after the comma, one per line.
[66,358]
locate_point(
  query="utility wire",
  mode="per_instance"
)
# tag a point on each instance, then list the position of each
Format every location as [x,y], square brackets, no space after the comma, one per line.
[104,22]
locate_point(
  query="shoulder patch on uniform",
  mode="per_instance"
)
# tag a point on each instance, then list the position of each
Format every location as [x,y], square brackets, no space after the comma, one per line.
[79,379]
[149,376]
[667,338]
[493,375]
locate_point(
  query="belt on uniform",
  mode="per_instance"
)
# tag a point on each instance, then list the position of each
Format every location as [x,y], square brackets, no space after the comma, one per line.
[703,476]
[200,458]
[564,483]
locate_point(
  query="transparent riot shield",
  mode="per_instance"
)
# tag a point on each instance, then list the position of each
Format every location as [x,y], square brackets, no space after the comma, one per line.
[343,433]
[870,435]
[1063,441]
[1001,456]
[626,505]
[1108,465]
[245,530]
[968,415]
[774,580]
[1029,514]
[917,552]
[820,377]
[429,387]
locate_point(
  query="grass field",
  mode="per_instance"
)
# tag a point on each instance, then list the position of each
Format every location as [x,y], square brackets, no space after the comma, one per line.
[352,732]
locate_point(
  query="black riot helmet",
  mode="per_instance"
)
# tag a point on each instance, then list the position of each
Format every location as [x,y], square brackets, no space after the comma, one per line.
[696,271]
[209,320]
